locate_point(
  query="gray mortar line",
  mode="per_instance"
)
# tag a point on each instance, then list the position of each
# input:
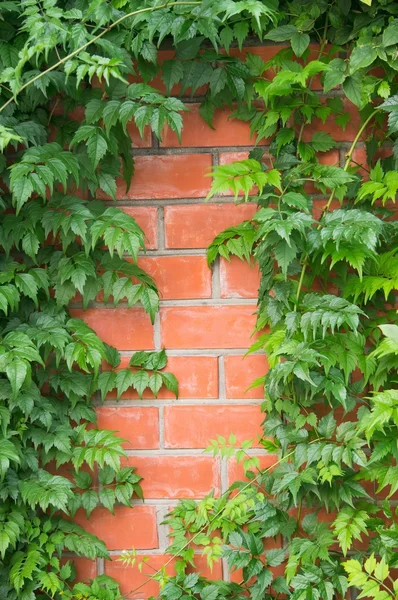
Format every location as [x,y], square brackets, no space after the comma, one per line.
[161,229]
[157,402]
[186,452]
[222,393]
[215,280]
[200,352]
[162,530]
[161,429]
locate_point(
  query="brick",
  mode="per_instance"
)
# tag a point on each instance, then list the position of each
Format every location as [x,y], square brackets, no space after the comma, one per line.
[176,476]
[240,372]
[86,569]
[238,279]
[195,426]
[127,528]
[124,328]
[196,226]
[170,176]
[131,578]
[225,158]
[359,157]
[146,217]
[139,425]
[330,126]
[197,378]
[236,472]
[207,326]
[179,277]
[136,139]
[197,133]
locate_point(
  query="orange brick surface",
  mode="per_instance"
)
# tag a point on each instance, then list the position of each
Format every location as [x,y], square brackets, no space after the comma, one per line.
[195,226]
[175,476]
[194,426]
[207,326]
[206,321]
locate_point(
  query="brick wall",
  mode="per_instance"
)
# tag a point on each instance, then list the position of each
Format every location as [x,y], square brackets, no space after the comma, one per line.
[205,322]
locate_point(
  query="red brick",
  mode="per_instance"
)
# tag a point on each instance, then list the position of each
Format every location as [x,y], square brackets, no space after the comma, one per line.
[239,279]
[146,217]
[330,125]
[195,426]
[360,157]
[226,158]
[236,471]
[137,424]
[86,569]
[176,476]
[197,378]
[196,226]
[137,140]
[131,578]
[179,277]
[240,372]
[170,176]
[207,326]
[127,528]
[125,328]
[197,133]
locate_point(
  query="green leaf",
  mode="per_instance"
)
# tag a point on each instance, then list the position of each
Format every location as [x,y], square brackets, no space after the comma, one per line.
[170,382]
[390,34]
[335,75]
[299,43]
[97,147]
[281,34]
[361,57]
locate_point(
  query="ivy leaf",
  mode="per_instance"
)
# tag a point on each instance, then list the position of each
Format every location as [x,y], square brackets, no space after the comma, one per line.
[299,42]
[335,75]
[97,147]
[218,81]
[281,34]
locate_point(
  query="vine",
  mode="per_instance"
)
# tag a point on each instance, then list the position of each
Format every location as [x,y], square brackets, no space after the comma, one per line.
[314,523]
[322,519]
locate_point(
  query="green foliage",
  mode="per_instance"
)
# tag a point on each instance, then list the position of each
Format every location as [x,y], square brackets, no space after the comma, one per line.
[327,286]
[324,511]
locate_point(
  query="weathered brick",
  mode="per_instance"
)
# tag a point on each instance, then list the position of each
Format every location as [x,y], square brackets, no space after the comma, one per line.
[176,476]
[240,372]
[197,378]
[196,226]
[194,426]
[146,217]
[124,328]
[179,277]
[169,176]
[127,528]
[138,425]
[207,326]
[197,133]
[238,279]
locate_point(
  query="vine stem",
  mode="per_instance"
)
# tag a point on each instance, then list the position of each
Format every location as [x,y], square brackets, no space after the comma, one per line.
[97,37]
[331,198]
[189,542]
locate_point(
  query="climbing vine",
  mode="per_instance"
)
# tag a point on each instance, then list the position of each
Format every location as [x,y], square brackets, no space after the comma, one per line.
[73,76]
[323,517]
